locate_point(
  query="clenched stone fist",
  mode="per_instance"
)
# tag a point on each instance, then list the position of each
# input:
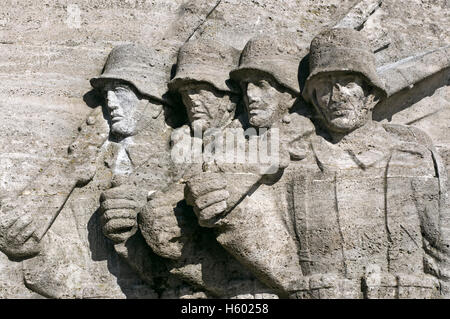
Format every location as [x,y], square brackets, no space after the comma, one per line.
[119,206]
[16,235]
[209,197]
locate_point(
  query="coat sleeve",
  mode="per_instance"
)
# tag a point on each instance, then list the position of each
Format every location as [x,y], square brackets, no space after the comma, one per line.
[435,208]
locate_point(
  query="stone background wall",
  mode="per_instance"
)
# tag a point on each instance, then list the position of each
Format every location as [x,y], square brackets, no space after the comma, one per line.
[49,49]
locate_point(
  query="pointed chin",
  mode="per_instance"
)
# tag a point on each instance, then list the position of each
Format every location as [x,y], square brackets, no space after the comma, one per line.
[257,120]
[346,122]
[341,124]
[200,124]
[263,118]
[123,128]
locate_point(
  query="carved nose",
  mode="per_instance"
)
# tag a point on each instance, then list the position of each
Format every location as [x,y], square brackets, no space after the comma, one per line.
[251,98]
[252,94]
[337,88]
[111,100]
[197,104]
[337,92]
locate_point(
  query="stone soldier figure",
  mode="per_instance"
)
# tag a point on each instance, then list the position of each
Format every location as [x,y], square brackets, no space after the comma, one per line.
[134,82]
[118,148]
[166,222]
[249,221]
[202,80]
[210,100]
[133,91]
[368,202]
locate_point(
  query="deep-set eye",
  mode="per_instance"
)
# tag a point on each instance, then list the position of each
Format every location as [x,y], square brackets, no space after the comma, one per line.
[120,89]
[262,84]
[351,85]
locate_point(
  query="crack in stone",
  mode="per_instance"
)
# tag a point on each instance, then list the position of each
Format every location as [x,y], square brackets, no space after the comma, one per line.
[338,220]
[386,224]
[204,20]
[412,238]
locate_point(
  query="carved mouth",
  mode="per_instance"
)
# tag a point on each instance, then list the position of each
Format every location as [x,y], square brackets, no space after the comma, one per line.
[255,106]
[116,119]
[339,112]
[199,115]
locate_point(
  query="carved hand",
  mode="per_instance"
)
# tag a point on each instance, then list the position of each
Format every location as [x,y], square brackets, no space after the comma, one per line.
[16,235]
[209,196]
[119,207]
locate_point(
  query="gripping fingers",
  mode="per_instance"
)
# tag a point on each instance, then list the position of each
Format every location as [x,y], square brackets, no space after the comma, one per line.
[212,211]
[206,183]
[119,204]
[212,198]
[118,225]
[120,237]
[22,237]
[7,220]
[27,250]
[120,192]
[20,224]
[119,214]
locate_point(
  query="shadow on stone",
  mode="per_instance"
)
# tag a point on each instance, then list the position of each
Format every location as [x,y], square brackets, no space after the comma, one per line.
[103,249]
[93,99]
[407,97]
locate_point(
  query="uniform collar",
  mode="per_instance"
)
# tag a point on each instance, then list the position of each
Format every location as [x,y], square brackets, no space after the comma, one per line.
[364,148]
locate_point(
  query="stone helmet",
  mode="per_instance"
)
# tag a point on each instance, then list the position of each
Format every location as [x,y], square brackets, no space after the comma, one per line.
[272,56]
[141,66]
[206,61]
[342,49]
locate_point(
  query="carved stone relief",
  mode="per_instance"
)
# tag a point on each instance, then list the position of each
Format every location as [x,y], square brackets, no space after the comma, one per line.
[267,170]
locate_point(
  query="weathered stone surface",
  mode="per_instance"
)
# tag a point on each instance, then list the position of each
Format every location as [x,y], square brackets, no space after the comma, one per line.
[106,211]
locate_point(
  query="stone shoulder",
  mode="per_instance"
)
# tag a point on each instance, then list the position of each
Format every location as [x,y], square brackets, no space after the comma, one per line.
[409,134]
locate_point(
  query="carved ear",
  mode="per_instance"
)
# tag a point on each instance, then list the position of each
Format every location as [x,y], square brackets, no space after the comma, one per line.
[290,99]
[378,96]
[156,109]
[286,101]
[231,107]
[373,98]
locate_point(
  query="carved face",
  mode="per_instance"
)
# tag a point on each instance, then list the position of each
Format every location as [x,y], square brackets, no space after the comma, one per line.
[264,102]
[125,108]
[206,108]
[342,100]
